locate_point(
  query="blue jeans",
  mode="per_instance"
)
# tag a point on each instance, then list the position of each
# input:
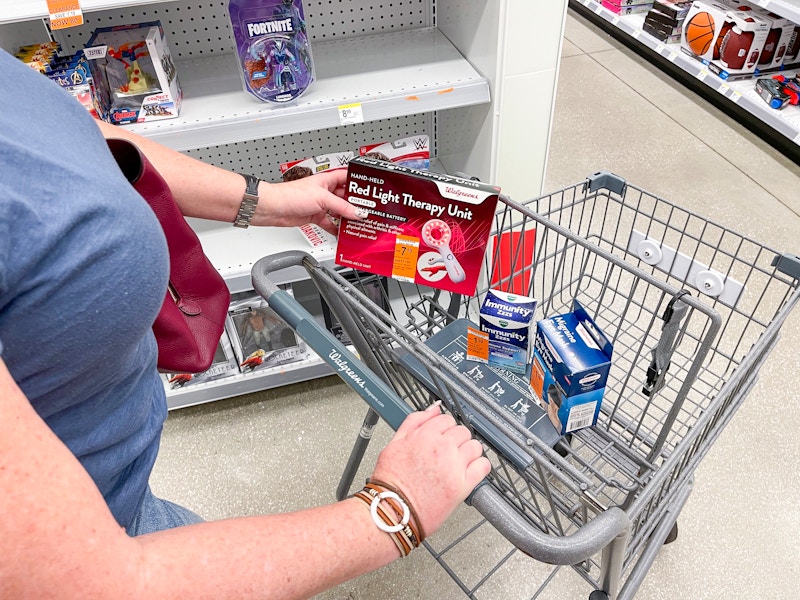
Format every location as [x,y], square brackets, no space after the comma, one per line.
[156,514]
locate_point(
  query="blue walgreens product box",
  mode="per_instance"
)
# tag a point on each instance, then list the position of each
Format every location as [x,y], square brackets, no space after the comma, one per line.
[571,361]
[507,319]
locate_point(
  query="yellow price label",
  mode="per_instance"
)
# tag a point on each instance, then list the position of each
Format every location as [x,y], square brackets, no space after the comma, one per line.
[406,250]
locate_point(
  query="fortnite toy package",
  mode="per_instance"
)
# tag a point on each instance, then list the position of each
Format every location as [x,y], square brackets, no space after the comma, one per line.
[272,47]
[422,227]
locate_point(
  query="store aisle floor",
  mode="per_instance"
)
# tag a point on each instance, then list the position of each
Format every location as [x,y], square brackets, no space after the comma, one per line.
[738,532]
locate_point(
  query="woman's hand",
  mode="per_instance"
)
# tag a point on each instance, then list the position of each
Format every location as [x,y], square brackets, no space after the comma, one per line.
[315,199]
[434,462]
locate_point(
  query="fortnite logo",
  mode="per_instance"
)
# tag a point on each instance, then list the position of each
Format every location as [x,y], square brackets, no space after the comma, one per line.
[263,28]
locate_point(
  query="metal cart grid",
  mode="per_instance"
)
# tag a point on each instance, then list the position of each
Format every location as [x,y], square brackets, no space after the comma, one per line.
[597,241]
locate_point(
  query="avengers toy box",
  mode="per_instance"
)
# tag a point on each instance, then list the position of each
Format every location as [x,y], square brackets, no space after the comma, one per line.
[422,227]
[133,75]
[571,362]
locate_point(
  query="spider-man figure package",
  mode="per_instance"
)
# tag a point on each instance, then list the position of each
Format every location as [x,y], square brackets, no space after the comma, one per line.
[423,227]
[273,49]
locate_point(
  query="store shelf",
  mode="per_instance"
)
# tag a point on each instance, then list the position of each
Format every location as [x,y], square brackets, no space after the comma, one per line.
[739,93]
[236,385]
[389,75]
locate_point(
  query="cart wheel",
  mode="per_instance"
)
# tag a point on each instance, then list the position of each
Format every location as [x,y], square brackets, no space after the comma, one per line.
[673,535]
[598,595]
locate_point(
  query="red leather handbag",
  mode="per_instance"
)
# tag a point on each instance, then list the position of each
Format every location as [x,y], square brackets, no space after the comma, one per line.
[191,320]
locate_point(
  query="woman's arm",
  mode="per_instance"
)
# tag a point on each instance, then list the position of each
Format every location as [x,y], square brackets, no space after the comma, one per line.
[58,539]
[208,192]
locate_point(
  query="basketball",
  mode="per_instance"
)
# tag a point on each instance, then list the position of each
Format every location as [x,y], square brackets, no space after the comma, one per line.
[700,33]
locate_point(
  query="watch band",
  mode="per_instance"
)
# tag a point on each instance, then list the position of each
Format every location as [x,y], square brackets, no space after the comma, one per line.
[249,202]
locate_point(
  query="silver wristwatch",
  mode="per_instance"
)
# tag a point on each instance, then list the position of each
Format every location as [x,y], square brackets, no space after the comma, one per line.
[249,202]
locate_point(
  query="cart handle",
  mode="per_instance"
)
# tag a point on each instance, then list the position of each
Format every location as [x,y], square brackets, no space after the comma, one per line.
[612,525]
[372,389]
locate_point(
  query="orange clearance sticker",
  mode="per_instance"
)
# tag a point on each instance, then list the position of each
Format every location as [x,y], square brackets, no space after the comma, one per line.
[406,250]
[537,378]
[477,345]
[64,13]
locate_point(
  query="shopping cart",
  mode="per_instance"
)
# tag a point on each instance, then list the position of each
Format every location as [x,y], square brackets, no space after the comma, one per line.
[692,310]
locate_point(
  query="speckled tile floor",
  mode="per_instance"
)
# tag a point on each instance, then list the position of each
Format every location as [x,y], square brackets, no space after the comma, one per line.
[739,529]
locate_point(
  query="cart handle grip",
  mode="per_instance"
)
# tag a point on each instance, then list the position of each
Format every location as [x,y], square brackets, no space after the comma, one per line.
[372,389]
[611,525]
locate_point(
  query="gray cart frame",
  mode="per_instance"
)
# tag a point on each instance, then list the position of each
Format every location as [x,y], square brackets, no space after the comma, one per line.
[693,310]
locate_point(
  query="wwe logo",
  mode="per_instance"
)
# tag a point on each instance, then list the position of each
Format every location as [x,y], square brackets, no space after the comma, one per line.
[420,143]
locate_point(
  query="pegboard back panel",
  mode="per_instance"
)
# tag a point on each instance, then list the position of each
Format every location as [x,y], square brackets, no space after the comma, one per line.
[201,27]
[263,157]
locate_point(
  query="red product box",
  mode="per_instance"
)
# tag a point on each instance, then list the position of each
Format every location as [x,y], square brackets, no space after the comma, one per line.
[423,227]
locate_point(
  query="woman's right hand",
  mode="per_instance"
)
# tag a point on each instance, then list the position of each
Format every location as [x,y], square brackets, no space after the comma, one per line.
[434,462]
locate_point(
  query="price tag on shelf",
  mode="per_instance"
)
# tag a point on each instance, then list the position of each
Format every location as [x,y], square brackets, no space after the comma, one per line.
[735,96]
[351,113]
[64,13]
[659,48]
[406,250]
[723,89]
[672,56]
[636,33]
[702,74]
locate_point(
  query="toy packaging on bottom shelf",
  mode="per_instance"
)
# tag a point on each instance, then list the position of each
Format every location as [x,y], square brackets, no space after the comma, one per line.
[571,362]
[272,47]
[260,338]
[223,365]
[133,75]
[422,227]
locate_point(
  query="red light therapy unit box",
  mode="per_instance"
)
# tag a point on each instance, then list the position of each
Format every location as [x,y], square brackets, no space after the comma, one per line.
[423,227]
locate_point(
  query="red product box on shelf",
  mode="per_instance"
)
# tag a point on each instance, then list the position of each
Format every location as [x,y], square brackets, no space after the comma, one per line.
[627,7]
[426,228]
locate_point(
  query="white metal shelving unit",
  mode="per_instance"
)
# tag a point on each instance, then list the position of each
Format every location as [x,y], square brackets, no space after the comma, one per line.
[469,75]
[741,92]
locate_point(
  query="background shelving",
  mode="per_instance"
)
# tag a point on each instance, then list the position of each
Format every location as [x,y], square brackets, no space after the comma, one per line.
[779,127]
[459,71]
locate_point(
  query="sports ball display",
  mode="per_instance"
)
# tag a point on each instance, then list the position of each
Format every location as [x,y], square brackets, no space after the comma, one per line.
[726,27]
[700,33]
[735,48]
[770,47]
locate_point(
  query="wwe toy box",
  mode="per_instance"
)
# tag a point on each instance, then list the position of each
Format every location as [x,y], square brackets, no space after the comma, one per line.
[422,227]
[571,362]
[133,75]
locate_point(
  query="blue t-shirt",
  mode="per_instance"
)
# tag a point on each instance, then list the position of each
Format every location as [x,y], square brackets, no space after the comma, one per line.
[83,272]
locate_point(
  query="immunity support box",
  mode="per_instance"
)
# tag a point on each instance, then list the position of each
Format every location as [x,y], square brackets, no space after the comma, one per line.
[422,227]
[571,362]
[508,321]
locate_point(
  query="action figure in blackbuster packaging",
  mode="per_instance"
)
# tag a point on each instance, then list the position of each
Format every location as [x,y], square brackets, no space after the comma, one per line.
[272,46]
